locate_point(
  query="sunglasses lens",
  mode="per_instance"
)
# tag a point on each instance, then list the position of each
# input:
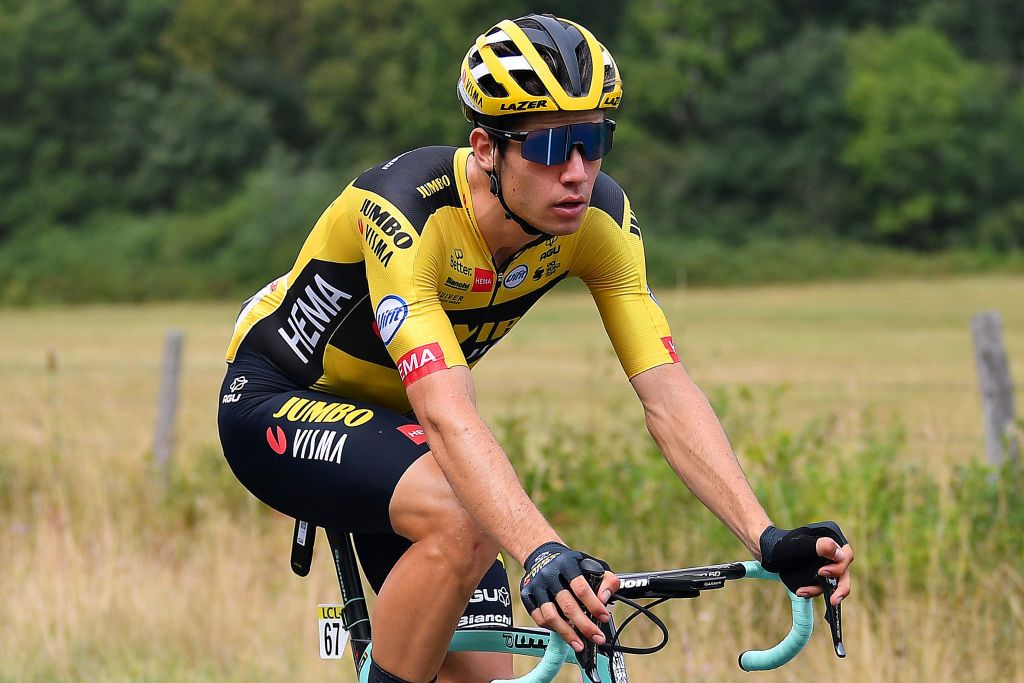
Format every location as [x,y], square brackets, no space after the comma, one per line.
[553,146]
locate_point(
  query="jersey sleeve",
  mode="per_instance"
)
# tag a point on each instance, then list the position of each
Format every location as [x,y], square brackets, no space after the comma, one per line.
[610,260]
[402,269]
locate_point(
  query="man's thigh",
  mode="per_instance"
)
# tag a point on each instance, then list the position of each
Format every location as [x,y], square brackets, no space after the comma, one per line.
[329,460]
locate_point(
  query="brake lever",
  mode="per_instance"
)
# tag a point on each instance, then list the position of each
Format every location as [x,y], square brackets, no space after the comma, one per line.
[593,572]
[833,614]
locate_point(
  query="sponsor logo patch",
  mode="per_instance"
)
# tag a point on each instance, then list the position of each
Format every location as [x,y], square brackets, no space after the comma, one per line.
[523,106]
[391,313]
[388,224]
[376,243]
[455,284]
[434,186]
[297,409]
[485,621]
[523,641]
[499,595]
[276,440]
[516,276]
[671,347]
[635,583]
[318,444]
[237,384]
[446,298]
[415,433]
[311,315]
[547,271]
[420,362]
[455,261]
[483,280]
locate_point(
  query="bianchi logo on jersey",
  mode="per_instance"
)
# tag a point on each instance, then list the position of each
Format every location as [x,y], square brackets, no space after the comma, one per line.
[391,313]
[516,276]
[455,284]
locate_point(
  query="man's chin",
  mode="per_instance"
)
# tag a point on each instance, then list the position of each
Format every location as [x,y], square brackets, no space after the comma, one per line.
[560,225]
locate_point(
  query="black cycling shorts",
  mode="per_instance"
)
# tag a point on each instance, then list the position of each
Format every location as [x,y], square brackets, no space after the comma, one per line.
[333,462]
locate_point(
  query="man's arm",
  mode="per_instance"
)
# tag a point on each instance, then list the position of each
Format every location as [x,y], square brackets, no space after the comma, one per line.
[688,432]
[474,464]
[483,480]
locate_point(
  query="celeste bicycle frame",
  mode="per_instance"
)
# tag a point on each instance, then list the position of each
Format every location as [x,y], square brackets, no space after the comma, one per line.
[597,664]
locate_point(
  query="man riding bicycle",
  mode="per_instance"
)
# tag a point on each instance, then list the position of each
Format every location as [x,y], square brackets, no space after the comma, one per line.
[349,403]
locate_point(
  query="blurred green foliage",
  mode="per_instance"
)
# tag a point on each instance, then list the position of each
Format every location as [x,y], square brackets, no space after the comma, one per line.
[180,148]
[924,528]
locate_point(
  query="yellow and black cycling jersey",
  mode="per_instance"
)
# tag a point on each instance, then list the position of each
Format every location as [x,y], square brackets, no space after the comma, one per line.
[395,281]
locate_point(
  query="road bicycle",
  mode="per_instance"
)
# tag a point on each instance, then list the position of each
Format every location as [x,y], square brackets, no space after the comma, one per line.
[596,663]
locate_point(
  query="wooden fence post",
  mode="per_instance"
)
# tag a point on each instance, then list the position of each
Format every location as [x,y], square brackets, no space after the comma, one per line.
[167,404]
[996,387]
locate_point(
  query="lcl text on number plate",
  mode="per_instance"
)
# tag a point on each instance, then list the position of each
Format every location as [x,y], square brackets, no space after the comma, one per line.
[333,636]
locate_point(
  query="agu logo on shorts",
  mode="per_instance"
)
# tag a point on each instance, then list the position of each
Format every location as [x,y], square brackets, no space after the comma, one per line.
[516,276]
[391,313]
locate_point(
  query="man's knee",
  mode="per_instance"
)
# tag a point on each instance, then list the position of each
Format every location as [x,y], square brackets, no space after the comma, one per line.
[459,543]
[425,510]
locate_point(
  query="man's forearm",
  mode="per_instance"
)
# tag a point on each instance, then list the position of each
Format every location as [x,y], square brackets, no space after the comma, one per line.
[482,478]
[688,432]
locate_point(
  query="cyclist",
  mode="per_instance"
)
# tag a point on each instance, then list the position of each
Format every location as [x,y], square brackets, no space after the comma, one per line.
[348,400]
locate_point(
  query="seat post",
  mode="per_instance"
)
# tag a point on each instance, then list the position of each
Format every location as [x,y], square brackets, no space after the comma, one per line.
[354,614]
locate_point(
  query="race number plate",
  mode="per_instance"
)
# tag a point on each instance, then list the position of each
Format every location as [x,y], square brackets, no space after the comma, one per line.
[333,636]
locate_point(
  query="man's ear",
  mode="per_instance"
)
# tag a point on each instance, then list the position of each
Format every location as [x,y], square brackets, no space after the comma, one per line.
[483,149]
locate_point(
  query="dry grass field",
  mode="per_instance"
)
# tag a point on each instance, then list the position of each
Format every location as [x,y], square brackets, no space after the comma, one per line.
[109,574]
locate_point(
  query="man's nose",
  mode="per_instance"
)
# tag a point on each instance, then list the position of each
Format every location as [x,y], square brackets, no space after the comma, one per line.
[575,170]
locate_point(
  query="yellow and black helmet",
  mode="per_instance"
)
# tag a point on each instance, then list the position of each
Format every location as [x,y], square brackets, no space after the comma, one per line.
[537,63]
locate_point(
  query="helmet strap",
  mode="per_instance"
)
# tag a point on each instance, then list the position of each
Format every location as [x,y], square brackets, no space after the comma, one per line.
[509,214]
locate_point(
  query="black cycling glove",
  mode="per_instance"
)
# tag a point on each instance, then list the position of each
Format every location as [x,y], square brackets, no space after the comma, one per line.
[549,569]
[791,553]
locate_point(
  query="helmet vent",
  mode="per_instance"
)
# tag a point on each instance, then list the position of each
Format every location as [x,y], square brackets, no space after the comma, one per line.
[491,87]
[609,70]
[586,64]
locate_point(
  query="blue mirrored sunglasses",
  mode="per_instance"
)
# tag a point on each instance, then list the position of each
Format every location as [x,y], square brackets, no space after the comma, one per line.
[553,146]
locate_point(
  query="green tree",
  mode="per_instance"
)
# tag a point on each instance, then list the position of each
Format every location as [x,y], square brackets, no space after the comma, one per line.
[921,111]
[99,115]
[991,31]
[257,49]
[56,71]
[766,158]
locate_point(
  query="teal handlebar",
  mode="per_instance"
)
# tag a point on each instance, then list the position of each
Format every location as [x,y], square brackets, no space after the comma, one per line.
[798,637]
[558,652]
[545,672]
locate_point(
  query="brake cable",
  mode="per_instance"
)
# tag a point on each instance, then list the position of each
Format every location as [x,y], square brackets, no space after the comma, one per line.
[647,611]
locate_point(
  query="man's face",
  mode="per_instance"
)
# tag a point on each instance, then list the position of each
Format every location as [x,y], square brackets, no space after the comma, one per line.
[551,198]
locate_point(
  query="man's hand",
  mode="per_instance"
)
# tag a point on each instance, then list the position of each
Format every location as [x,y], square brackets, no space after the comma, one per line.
[554,589]
[799,556]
